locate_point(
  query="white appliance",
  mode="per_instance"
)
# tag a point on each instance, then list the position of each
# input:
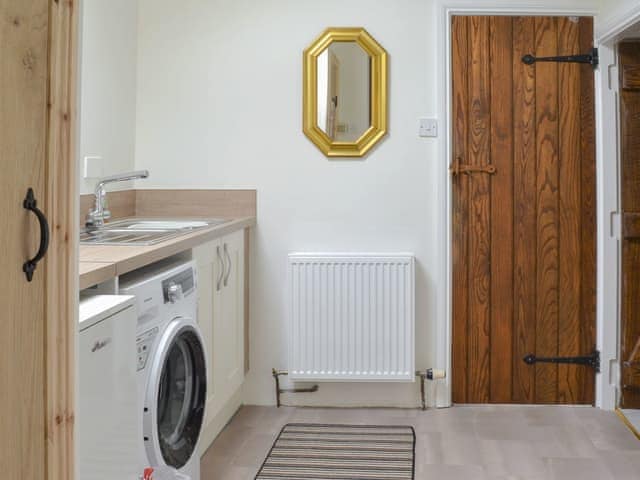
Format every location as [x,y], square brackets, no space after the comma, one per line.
[108,418]
[171,364]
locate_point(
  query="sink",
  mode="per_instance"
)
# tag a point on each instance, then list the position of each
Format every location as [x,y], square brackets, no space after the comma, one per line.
[136,224]
[139,231]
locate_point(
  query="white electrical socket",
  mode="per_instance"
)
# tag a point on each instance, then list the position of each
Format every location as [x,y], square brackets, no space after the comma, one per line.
[428,127]
[93,167]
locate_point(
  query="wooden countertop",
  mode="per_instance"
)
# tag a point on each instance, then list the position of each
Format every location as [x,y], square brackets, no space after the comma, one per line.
[99,263]
[92,273]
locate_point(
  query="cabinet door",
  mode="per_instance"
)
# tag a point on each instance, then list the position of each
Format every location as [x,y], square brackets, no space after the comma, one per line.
[208,258]
[232,311]
[221,319]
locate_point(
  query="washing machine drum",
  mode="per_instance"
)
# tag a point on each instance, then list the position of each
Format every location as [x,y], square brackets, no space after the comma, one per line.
[180,394]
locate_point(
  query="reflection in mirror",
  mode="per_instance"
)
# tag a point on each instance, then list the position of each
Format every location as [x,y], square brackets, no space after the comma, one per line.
[344,83]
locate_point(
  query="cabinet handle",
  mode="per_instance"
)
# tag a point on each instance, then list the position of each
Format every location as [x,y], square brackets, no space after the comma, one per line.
[30,265]
[221,262]
[226,277]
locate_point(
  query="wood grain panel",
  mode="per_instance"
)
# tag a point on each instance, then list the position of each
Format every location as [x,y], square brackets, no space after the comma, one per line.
[24,31]
[93,273]
[630,140]
[460,211]
[524,268]
[501,221]
[197,203]
[479,210]
[524,238]
[630,378]
[631,225]
[62,259]
[547,209]
[629,54]
[630,77]
[569,380]
[588,211]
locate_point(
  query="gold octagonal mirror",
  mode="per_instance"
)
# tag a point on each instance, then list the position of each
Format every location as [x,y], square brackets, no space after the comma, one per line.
[345,92]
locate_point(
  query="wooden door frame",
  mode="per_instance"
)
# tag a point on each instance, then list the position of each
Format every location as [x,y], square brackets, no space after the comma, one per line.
[445,10]
[61,266]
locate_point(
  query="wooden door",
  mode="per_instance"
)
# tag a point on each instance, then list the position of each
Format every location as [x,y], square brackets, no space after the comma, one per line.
[629,68]
[524,224]
[23,72]
[37,319]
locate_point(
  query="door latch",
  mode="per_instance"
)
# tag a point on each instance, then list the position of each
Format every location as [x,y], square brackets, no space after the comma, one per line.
[457,168]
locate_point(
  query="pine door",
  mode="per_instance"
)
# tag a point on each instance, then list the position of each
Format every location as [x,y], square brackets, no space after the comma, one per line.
[38,317]
[23,104]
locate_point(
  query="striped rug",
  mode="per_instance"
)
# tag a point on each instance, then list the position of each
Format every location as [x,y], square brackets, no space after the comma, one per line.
[305,451]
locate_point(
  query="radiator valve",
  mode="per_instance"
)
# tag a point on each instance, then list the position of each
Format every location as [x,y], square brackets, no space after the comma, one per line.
[429,374]
[436,374]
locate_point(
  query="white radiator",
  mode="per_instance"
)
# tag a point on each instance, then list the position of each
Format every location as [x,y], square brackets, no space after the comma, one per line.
[351,317]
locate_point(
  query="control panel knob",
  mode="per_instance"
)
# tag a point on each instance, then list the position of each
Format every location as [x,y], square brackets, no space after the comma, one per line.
[174,292]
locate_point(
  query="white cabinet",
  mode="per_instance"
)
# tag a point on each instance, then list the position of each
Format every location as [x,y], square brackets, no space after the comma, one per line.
[109,420]
[220,266]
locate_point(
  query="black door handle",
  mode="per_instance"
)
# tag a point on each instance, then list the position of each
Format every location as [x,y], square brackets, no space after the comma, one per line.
[30,265]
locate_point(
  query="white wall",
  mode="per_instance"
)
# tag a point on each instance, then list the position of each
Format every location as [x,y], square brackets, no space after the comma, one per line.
[614,13]
[219,106]
[108,86]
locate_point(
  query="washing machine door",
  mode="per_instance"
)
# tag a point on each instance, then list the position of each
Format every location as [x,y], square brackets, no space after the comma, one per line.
[176,396]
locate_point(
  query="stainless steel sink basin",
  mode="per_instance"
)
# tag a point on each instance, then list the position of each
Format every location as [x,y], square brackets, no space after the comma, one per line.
[139,231]
[161,224]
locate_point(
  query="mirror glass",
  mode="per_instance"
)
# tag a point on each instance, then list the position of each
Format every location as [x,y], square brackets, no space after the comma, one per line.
[343,86]
[344,94]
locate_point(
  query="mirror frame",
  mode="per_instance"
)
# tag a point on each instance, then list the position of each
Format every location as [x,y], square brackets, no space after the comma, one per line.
[378,92]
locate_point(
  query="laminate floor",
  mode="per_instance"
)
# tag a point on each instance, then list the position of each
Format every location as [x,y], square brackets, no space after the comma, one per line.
[633,417]
[463,442]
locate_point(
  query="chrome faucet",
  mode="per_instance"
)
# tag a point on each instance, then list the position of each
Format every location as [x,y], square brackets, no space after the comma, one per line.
[97,216]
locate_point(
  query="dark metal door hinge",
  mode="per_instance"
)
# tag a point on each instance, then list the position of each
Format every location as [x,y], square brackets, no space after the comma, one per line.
[592,360]
[590,58]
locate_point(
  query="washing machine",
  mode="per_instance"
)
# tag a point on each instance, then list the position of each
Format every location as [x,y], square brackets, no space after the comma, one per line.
[171,365]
